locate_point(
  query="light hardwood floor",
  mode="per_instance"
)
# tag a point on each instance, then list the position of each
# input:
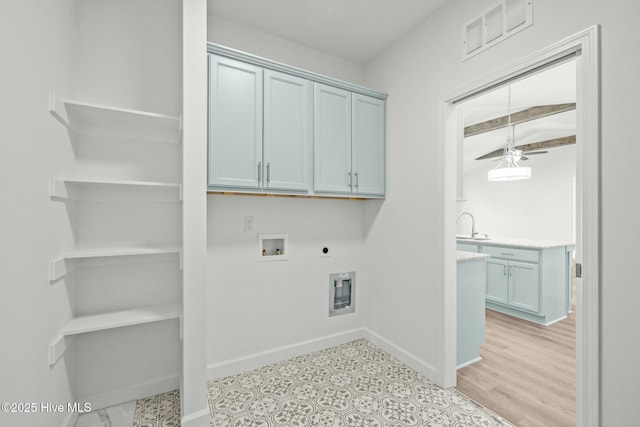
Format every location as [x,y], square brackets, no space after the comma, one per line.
[527,373]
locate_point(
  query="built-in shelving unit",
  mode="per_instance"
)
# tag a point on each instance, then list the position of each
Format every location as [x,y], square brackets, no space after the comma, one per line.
[82,118]
[118,319]
[104,125]
[72,188]
[61,265]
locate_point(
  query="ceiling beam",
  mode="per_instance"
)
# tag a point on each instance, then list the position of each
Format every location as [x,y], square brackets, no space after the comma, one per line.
[529,114]
[534,146]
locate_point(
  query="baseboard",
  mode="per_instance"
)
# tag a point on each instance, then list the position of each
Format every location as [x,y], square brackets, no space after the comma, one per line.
[414,362]
[263,358]
[134,392]
[197,419]
[470,362]
[257,360]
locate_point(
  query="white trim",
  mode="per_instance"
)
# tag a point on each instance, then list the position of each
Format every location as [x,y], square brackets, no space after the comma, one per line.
[228,52]
[133,392]
[588,318]
[201,418]
[263,358]
[414,362]
[193,258]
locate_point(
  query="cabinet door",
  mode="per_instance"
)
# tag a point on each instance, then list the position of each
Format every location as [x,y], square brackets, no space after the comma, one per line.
[524,285]
[286,131]
[332,140]
[235,123]
[497,281]
[368,145]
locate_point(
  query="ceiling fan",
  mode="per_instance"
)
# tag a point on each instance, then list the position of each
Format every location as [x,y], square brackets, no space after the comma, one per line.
[514,153]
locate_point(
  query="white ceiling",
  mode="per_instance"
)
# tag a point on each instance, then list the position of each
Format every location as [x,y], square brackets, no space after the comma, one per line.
[356,30]
[556,85]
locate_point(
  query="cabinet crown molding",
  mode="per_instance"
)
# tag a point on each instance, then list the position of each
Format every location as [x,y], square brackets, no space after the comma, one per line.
[277,66]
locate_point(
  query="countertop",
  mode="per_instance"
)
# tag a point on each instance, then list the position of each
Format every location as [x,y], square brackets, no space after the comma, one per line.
[471,256]
[522,243]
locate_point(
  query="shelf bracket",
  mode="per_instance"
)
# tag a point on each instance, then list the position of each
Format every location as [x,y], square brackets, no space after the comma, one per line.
[58,347]
[57,110]
[58,268]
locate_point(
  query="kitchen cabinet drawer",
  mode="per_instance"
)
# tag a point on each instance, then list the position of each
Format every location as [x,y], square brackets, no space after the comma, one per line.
[466,247]
[512,253]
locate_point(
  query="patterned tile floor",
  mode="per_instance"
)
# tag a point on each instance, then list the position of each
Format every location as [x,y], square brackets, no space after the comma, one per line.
[351,385]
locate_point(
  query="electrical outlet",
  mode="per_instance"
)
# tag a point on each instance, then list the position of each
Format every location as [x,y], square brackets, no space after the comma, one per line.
[249,222]
[325,251]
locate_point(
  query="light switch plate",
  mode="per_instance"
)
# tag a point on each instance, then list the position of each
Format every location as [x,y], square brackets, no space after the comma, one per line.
[249,223]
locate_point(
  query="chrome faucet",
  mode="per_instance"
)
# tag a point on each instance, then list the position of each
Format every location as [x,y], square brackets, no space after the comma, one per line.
[473,223]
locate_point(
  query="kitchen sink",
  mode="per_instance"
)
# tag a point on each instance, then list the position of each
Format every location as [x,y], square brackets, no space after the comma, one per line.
[478,236]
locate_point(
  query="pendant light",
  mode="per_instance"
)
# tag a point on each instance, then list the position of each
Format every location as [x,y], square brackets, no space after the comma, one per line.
[508,169]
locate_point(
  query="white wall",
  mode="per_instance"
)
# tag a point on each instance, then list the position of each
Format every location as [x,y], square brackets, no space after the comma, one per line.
[538,208]
[231,34]
[37,55]
[417,71]
[261,306]
[121,53]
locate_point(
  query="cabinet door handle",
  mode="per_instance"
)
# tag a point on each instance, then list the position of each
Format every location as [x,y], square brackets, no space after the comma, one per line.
[259,171]
[506,254]
[504,270]
[350,180]
[268,172]
[510,270]
[357,180]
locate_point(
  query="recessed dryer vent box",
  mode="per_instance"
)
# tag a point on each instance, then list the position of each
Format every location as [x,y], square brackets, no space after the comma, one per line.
[273,247]
[342,293]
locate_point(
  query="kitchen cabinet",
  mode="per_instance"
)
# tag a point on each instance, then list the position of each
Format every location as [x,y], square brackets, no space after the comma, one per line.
[368,145]
[235,124]
[259,129]
[527,279]
[513,283]
[349,142]
[332,140]
[278,129]
[470,301]
[287,132]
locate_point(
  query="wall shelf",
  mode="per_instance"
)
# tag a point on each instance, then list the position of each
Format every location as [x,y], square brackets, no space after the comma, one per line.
[118,319]
[63,188]
[92,119]
[65,263]
[111,320]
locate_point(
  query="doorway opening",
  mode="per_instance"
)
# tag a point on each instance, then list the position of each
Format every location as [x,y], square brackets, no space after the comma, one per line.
[526,372]
[584,48]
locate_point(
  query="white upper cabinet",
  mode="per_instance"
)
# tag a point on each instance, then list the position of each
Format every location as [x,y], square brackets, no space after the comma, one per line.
[282,130]
[287,132]
[368,145]
[332,140]
[235,123]
[349,142]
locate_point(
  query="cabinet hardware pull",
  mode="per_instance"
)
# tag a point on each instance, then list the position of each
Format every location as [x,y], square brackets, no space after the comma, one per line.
[268,172]
[504,268]
[350,180]
[357,180]
[259,171]
[506,254]
[510,270]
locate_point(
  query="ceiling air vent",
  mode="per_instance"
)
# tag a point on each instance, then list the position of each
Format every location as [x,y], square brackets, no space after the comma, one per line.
[499,22]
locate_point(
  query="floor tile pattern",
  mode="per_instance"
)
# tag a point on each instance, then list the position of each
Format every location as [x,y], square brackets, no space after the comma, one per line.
[162,410]
[351,385]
